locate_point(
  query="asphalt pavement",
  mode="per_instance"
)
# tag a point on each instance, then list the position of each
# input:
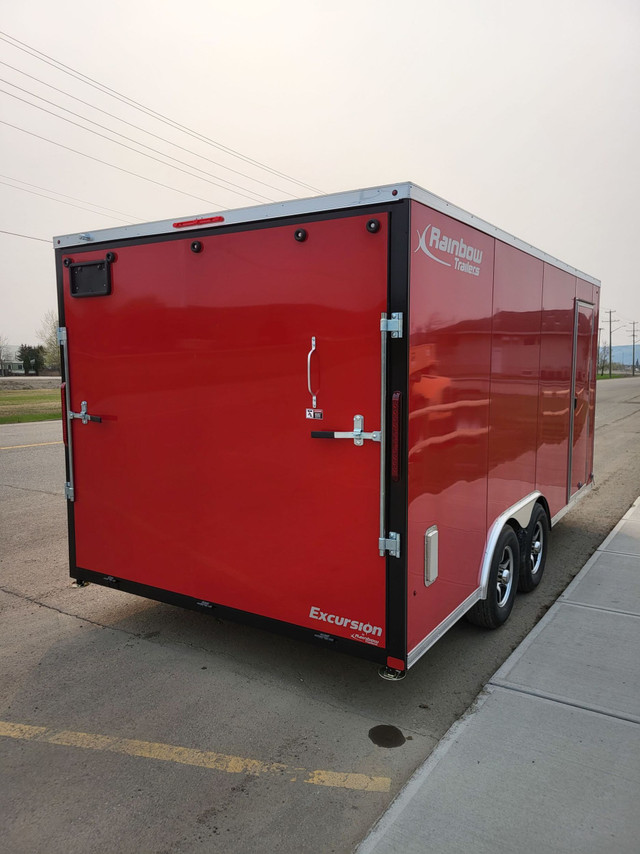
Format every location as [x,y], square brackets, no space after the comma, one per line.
[548,758]
[133,726]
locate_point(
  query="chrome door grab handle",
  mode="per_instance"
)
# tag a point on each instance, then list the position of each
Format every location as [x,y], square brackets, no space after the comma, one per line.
[311,352]
[83,415]
[358,435]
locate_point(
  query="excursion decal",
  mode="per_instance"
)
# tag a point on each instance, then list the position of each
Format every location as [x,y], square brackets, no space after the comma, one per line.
[361,631]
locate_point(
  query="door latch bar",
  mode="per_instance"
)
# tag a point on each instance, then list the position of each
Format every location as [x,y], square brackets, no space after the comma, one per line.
[83,415]
[358,435]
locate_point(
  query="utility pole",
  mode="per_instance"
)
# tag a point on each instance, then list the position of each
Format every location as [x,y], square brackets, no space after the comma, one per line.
[609,313]
[599,353]
[633,358]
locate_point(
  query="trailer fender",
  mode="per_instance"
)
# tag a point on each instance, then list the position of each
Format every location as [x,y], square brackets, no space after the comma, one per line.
[519,513]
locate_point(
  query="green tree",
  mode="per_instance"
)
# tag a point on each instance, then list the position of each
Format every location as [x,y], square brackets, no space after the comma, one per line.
[603,359]
[31,357]
[48,334]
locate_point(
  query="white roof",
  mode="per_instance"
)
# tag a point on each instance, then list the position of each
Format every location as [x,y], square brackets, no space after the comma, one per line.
[298,207]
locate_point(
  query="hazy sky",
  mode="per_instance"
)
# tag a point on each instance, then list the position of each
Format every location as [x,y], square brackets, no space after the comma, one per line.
[525,114]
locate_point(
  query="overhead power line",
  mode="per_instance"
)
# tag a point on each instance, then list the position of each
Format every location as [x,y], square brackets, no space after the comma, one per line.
[26,236]
[253,197]
[112,165]
[141,129]
[65,196]
[78,75]
[61,202]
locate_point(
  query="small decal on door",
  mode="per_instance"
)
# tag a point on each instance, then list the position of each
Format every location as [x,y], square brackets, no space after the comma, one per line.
[316,414]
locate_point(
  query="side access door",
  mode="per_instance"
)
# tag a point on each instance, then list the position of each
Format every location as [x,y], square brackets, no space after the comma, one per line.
[582,382]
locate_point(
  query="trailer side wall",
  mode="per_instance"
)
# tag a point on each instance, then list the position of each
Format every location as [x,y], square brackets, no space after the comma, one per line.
[515,365]
[501,399]
[449,373]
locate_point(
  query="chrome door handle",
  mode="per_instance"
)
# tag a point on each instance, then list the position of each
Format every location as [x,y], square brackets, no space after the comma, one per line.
[311,352]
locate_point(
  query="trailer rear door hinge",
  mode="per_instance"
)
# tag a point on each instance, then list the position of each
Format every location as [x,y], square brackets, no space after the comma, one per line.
[390,544]
[392,324]
[68,492]
[62,335]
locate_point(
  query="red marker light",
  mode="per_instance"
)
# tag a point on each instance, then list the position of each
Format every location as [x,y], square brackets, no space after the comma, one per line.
[63,395]
[204,221]
[396,411]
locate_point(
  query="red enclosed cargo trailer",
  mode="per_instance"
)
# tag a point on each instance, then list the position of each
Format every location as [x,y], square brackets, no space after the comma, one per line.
[352,418]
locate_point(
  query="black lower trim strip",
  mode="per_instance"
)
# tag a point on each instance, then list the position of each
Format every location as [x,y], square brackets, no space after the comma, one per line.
[372,653]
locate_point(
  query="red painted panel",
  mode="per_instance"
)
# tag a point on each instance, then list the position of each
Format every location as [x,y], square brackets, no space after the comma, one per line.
[515,363]
[558,293]
[585,291]
[449,353]
[197,364]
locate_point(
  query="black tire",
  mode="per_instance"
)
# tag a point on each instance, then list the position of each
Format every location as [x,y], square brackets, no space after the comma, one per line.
[534,550]
[492,612]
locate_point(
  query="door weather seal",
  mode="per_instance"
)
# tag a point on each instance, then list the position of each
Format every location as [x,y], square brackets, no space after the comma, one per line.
[386,542]
[63,341]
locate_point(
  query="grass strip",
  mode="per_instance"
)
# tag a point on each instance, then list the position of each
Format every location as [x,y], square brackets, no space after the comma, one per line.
[23,405]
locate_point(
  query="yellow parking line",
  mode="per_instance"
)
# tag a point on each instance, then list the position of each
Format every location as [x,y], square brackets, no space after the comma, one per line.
[189,756]
[37,445]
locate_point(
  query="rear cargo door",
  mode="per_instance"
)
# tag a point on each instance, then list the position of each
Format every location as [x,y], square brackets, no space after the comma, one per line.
[582,383]
[210,360]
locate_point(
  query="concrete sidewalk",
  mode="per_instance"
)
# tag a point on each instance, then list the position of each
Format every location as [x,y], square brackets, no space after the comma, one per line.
[548,758]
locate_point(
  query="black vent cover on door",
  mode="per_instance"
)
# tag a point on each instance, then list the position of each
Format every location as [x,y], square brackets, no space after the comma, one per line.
[90,279]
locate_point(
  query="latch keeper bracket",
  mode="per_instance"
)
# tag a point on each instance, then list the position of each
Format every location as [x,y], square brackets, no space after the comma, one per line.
[390,544]
[392,324]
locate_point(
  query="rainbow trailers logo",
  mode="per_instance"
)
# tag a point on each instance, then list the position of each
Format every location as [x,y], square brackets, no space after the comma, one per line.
[462,256]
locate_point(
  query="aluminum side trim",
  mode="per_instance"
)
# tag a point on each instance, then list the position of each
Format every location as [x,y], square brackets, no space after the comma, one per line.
[574,500]
[254,213]
[521,512]
[434,636]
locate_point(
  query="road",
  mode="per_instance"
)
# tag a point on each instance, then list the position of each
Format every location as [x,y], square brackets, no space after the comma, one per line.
[131,726]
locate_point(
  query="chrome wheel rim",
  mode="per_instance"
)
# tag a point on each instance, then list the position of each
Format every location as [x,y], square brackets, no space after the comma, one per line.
[537,543]
[505,576]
